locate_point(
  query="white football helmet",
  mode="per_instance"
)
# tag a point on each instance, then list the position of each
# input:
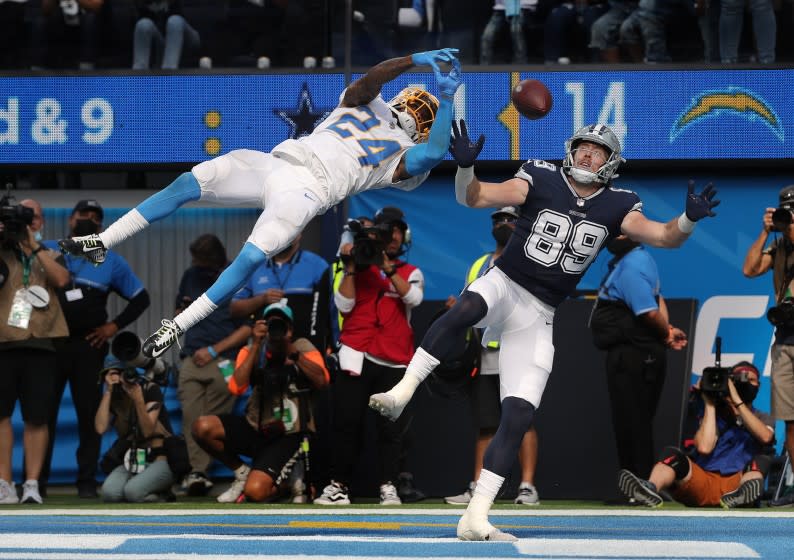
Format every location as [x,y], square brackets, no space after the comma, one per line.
[415,109]
[598,134]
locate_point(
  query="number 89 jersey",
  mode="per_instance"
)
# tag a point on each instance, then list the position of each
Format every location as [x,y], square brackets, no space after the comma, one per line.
[558,233]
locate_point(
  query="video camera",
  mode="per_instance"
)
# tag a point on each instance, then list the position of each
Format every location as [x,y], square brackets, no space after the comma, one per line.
[714,381]
[126,346]
[14,217]
[369,242]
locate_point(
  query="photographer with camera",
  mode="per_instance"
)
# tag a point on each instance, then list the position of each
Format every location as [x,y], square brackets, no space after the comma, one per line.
[84,302]
[30,320]
[275,431]
[729,459]
[779,258]
[137,464]
[375,297]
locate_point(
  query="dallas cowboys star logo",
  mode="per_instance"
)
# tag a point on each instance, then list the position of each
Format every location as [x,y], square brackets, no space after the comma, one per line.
[303,118]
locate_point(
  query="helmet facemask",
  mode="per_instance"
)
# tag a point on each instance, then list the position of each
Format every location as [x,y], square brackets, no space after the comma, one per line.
[597,134]
[415,110]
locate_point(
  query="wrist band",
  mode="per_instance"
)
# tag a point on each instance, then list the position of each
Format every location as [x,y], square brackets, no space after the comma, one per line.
[392,273]
[463,177]
[738,405]
[685,224]
[212,352]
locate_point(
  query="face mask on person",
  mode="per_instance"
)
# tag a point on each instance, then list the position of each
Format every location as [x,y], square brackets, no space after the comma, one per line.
[38,236]
[502,234]
[621,245]
[85,227]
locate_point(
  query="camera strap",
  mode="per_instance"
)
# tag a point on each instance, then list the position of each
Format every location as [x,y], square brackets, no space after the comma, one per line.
[787,269]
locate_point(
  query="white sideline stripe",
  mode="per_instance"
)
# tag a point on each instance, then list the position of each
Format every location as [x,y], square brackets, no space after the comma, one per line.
[196,556]
[599,548]
[40,541]
[333,510]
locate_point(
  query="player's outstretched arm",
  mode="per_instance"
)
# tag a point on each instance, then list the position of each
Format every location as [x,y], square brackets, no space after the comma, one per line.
[368,86]
[676,231]
[470,191]
[421,158]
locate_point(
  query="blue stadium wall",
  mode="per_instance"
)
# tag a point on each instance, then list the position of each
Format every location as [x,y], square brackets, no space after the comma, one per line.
[704,124]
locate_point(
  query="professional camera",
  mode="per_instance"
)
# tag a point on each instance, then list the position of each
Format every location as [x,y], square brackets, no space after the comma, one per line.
[782,217]
[14,217]
[782,315]
[276,328]
[714,380]
[126,346]
[369,242]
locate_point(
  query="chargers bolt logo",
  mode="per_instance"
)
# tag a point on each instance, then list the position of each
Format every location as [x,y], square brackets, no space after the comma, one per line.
[732,100]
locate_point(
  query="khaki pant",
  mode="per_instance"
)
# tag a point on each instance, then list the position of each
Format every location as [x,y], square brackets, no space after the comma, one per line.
[202,391]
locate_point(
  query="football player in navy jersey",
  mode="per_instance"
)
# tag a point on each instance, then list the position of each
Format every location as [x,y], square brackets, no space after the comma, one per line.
[567,214]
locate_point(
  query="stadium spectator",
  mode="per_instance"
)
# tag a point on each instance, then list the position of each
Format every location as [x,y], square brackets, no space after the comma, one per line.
[137,462]
[764,29]
[375,298]
[277,426]
[605,31]
[729,459]
[208,353]
[485,390]
[162,28]
[84,302]
[630,321]
[566,32]
[66,34]
[779,258]
[32,319]
[517,16]
[644,32]
[13,35]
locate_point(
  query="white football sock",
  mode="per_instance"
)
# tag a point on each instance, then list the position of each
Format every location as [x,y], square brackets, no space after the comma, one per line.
[241,472]
[128,225]
[422,364]
[195,312]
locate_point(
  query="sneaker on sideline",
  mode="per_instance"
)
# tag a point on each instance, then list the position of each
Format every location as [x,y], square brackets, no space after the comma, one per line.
[746,494]
[197,484]
[527,495]
[30,493]
[389,496]
[236,488]
[641,490]
[8,493]
[783,501]
[335,494]
[462,499]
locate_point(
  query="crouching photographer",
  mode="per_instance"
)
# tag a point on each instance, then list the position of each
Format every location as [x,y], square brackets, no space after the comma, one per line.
[142,462]
[275,430]
[779,258]
[730,450]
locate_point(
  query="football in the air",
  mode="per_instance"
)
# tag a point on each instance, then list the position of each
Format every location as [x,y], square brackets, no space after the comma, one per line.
[532,99]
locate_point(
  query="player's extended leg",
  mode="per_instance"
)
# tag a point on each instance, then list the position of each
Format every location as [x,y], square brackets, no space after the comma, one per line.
[185,188]
[517,415]
[436,345]
[231,279]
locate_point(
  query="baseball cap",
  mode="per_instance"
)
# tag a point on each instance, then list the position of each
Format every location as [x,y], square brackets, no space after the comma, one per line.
[508,210]
[279,308]
[111,362]
[786,197]
[390,215]
[89,204]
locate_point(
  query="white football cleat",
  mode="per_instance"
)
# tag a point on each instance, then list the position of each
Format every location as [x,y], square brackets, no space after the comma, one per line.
[386,405]
[469,530]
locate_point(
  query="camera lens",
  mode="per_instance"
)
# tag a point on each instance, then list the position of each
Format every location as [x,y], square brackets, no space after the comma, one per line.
[781,219]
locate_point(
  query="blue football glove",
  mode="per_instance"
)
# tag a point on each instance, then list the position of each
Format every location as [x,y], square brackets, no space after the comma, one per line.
[450,83]
[461,147]
[698,206]
[432,58]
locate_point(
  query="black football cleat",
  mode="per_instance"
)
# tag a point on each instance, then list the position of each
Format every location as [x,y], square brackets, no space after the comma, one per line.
[162,339]
[89,247]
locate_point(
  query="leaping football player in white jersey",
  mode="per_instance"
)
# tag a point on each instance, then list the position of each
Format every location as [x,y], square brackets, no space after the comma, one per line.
[567,214]
[365,143]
